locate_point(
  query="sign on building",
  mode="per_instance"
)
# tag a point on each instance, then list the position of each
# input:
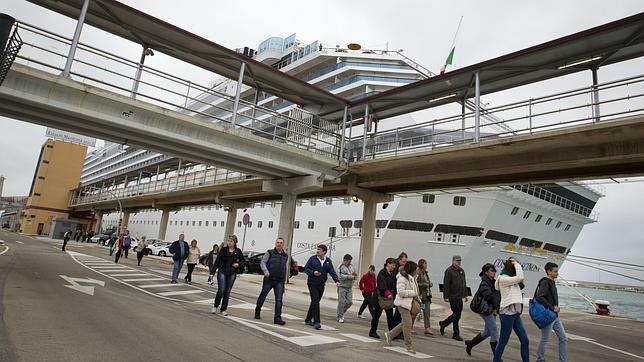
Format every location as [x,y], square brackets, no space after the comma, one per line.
[70,137]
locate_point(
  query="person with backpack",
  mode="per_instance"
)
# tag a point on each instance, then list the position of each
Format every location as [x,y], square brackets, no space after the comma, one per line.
[486,303]
[367,285]
[383,297]
[455,293]
[546,294]
[127,242]
[318,267]
[192,260]
[509,284]
[230,261]
[211,260]
[274,264]
[408,300]
[347,274]
[179,251]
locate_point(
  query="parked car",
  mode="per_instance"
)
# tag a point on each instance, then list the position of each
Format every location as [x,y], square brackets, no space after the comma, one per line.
[101,239]
[160,248]
[252,265]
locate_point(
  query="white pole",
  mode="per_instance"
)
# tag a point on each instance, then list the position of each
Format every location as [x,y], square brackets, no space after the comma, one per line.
[77,33]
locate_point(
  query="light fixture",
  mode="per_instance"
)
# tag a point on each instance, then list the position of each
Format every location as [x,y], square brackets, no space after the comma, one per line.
[579,62]
[441,98]
[354,198]
[385,205]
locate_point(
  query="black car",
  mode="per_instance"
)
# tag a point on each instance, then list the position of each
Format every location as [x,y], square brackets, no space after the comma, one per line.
[253,265]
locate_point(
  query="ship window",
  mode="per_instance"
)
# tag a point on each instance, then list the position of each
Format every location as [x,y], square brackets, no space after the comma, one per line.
[527,214]
[296,225]
[209,208]
[555,248]
[313,202]
[299,202]
[311,224]
[273,204]
[538,218]
[381,224]
[558,225]
[458,229]
[346,223]
[429,198]
[259,224]
[332,231]
[454,238]
[214,223]
[199,223]
[459,200]
[549,221]
[222,224]
[187,223]
[193,223]
[499,236]
[410,225]
[262,204]
[239,224]
[514,210]
[207,223]
[181,223]
[567,227]
[530,243]
[250,224]
[347,200]
[329,201]
[439,236]
[357,224]
[270,224]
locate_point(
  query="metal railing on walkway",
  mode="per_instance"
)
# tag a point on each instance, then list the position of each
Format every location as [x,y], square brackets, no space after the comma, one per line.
[47,51]
[9,53]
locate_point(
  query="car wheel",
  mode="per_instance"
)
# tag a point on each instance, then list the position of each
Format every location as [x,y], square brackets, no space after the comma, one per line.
[162,253]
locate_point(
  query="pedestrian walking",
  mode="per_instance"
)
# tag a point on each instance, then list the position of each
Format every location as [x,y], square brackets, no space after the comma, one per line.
[486,303]
[367,285]
[318,267]
[179,251]
[120,248]
[211,261]
[383,297]
[510,283]
[230,261]
[347,275]
[274,264]
[141,250]
[547,295]
[425,288]
[408,301]
[455,293]
[127,241]
[192,260]
[66,236]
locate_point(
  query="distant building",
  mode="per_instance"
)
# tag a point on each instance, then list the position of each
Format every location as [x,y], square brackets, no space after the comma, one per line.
[57,172]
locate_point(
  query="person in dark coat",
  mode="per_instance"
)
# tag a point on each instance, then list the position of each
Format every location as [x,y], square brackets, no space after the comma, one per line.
[211,261]
[385,288]
[179,250]
[547,295]
[274,265]
[492,298]
[454,292]
[318,267]
[230,261]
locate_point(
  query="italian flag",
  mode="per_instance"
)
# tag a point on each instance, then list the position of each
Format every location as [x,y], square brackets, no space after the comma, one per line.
[449,59]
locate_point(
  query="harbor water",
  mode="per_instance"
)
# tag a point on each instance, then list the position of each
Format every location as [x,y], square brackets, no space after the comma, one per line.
[622,304]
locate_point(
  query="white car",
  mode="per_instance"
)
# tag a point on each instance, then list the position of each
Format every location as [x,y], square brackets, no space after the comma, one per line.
[160,248]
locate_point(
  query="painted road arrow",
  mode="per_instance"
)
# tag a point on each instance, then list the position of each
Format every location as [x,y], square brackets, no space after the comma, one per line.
[87,289]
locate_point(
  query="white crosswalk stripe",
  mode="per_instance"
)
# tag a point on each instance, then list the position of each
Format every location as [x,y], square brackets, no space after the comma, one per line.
[181,292]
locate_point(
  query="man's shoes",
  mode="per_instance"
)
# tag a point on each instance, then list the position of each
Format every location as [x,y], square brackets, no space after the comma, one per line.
[214,310]
[224,313]
[457,338]
[308,323]
[442,329]
[173,282]
[341,320]
[360,316]
[374,335]
[279,322]
[317,326]
[388,338]
[257,316]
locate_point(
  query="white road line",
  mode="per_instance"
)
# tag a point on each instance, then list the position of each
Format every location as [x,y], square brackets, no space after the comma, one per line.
[19,242]
[205,301]
[575,337]
[5,250]
[160,285]
[360,338]
[404,351]
[248,306]
[290,317]
[142,280]
[110,267]
[181,292]
[117,270]
[128,275]
[327,328]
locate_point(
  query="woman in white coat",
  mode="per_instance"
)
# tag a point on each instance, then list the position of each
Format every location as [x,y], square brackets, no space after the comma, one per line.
[510,283]
[408,303]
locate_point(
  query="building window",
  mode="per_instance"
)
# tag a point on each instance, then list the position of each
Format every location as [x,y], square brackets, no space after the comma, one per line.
[527,214]
[36,194]
[567,227]
[41,177]
[239,223]
[49,146]
[429,198]
[514,211]
[311,224]
[558,225]
[45,161]
[270,224]
[329,201]
[459,200]
[259,224]
[549,221]
[538,218]
[296,225]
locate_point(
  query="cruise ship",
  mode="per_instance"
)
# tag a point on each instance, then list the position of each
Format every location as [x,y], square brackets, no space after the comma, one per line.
[534,223]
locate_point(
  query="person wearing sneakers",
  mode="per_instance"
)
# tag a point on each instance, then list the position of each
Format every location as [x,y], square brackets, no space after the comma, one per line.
[192,260]
[367,286]
[318,267]
[347,275]
[179,250]
[487,304]
[408,301]
[455,293]
[230,261]
[211,260]
[274,265]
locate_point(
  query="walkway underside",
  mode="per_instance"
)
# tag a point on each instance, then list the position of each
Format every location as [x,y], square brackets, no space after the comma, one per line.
[42,98]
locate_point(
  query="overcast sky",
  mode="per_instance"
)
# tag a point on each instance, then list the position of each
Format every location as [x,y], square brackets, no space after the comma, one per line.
[423,29]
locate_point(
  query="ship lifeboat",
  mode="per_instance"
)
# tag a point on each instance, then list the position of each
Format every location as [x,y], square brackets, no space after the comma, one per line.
[602,307]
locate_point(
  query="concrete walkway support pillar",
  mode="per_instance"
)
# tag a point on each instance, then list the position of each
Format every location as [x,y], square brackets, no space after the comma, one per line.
[125,220]
[231,219]
[287,219]
[370,200]
[163,224]
[99,221]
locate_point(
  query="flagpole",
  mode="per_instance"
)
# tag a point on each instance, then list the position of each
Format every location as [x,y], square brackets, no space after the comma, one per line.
[458,28]
[451,48]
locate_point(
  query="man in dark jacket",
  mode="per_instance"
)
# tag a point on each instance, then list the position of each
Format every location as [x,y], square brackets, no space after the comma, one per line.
[454,292]
[547,295]
[318,267]
[274,265]
[179,250]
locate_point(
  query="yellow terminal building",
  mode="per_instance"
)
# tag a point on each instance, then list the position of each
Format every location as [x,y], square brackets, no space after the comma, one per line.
[58,171]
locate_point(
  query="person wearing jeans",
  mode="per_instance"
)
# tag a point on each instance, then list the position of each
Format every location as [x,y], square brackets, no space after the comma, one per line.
[179,250]
[510,284]
[547,295]
[318,267]
[492,298]
[274,265]
[229,261]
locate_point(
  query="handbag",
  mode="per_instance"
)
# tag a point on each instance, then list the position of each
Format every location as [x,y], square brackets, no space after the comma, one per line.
[539,313]
[415,307]
[479,305]
[385,303]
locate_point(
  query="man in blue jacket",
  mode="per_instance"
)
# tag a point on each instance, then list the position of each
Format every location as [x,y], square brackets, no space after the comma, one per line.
[318,267]
[179,250]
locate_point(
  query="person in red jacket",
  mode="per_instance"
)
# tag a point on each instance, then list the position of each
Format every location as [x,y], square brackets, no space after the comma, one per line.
[368,287]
